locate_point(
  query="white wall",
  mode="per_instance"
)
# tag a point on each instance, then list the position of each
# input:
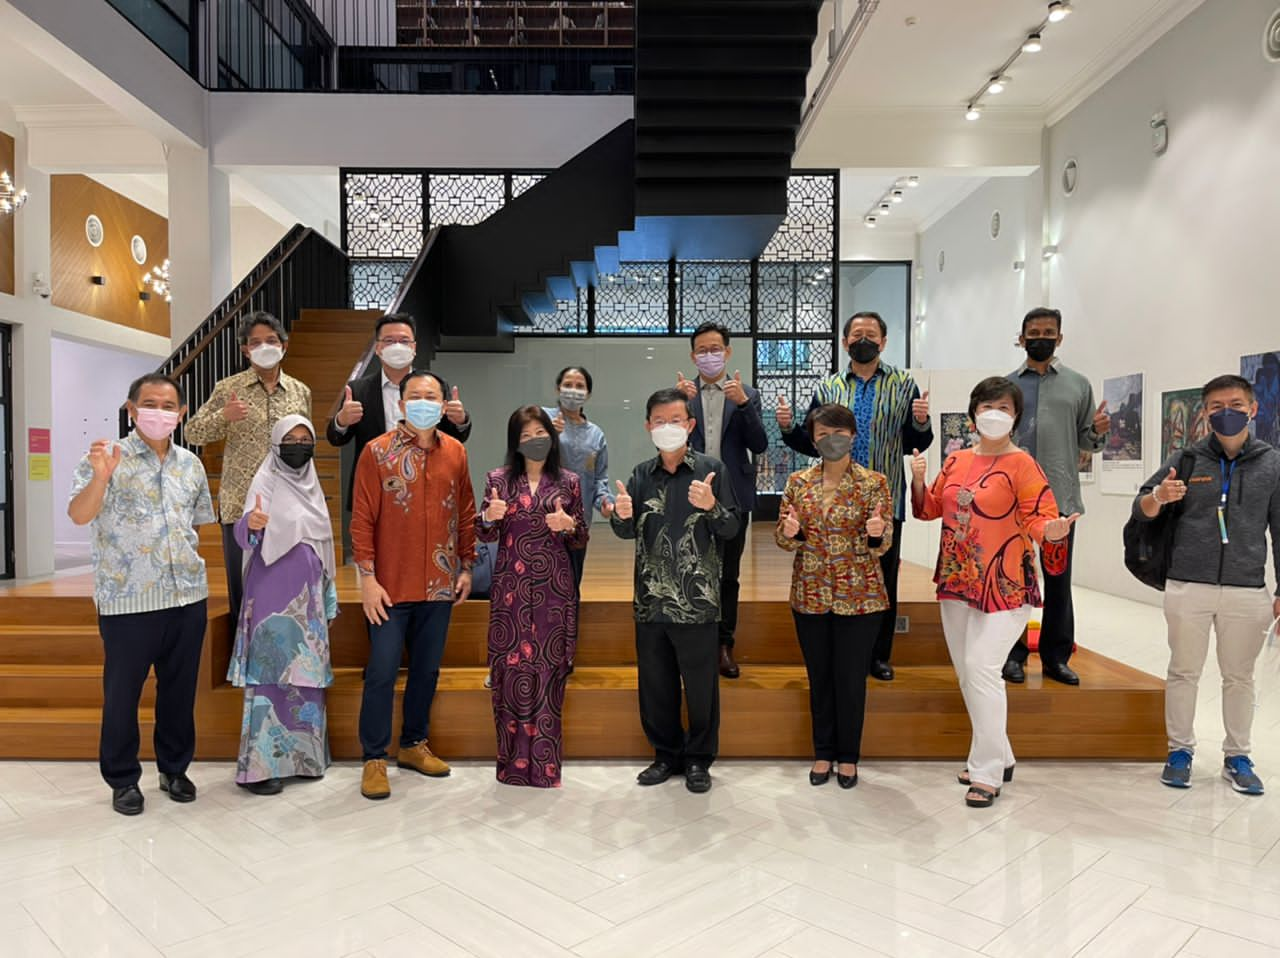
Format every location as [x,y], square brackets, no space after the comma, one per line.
[84,375]
[253,234]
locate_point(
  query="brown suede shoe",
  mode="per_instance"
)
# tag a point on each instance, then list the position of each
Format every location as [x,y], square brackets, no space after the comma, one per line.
[373,781]
[420,759]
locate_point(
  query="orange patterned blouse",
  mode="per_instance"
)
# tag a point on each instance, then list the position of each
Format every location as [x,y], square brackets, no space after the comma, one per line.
[993,510]
[837,569]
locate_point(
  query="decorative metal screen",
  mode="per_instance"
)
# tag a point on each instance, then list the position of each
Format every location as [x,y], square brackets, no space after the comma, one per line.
[808,233]
[569,316]
[522,181]
[383,215]
[375,282]
[714,292]
[633,300]
[464,198]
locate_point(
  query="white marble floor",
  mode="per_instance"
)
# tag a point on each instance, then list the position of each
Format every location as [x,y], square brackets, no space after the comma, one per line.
[1090,859]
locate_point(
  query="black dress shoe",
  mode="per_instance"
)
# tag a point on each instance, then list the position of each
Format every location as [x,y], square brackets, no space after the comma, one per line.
[655,774]
[270,786]
[127,800]
[728,668]
[882,671]
[847,781]
[1059,672]
[1013,672]
[819,778]
[697,778]
[179,787]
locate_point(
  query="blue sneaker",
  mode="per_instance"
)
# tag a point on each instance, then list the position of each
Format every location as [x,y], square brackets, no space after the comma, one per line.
[1238,770]
[1177,770]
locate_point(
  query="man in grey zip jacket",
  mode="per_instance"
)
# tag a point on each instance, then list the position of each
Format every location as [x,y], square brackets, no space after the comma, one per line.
[1217,574]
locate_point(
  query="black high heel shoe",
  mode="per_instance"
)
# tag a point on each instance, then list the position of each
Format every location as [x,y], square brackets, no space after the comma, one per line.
[820,778]
[847,781]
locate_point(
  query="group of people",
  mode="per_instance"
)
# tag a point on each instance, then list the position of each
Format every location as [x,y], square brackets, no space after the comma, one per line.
[415,525]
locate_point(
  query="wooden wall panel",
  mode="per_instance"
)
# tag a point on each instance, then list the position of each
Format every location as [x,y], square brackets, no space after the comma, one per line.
[72,198]
[6,221]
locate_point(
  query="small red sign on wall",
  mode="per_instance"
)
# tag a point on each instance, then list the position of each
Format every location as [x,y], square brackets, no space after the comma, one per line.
[38,441]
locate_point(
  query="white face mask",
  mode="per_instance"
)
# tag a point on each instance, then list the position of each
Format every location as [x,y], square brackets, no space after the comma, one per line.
[266,356]
[994,424]
[398,355]
[670,437]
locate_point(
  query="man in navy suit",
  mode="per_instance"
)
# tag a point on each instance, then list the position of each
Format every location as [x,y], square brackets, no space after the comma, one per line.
[729,427]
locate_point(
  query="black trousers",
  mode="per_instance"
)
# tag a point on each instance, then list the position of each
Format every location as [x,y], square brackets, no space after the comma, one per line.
[233,559]
[170,640]
[837,655]
[889,564]
[729,583]
[1057,619]
[577,561]
[666,655]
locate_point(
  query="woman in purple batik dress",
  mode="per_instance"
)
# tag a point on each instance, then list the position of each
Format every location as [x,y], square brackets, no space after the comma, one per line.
[281,652]
[533,510]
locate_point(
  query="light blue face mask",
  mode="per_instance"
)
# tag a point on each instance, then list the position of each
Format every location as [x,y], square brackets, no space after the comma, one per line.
[422,413]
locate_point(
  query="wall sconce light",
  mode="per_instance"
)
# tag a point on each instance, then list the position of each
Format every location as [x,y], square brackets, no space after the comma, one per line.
[11,200]
[144,295]
[1018,265]
[98,280]
[1049,252]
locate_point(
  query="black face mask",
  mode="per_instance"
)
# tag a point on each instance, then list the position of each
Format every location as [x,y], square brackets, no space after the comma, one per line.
[536,449]
[864,351]
[1039,350]
[298,454]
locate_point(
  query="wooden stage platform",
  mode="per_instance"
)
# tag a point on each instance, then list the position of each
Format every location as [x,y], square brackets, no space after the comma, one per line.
[50,678]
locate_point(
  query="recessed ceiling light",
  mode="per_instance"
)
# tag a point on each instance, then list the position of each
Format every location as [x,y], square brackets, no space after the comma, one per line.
[973,112]
[913,181]
[997,84]
[869,222]
[1059,10]
[1032,44]
[885,209]
[895,196]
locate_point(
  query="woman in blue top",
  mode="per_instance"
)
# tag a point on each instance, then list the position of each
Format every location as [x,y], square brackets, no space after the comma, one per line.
[582,449]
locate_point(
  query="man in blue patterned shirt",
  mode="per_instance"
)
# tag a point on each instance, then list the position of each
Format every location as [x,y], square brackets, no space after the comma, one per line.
[144,497]
[893,419]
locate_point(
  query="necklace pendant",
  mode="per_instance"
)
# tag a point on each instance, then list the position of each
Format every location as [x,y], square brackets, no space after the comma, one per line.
[964,498]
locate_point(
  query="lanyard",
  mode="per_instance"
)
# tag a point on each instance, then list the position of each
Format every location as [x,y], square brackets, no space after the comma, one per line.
[1226,473]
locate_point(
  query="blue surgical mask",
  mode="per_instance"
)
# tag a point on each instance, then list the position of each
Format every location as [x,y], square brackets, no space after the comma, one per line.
[1229,422]
[422,413]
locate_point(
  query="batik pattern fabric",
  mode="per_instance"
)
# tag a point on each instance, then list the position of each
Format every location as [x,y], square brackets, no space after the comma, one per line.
[533,622]
[837,566]
[994,510]
[281,660]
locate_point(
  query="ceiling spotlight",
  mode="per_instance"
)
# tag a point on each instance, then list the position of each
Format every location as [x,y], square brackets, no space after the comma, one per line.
[1059,10]
[973,112]
[895,196]
[1049,252]
[997,84]
[1032,44]
[869,222]
[885,209]
[913,181]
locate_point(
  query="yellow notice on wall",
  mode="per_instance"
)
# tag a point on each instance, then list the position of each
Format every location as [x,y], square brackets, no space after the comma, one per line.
[39,467]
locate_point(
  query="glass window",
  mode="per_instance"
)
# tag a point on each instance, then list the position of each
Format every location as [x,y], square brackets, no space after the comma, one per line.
[884,288]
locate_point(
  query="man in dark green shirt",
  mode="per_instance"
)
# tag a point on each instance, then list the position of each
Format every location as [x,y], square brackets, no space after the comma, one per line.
[680,509]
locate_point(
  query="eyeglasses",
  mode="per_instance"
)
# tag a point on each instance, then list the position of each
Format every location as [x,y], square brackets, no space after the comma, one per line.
[709,351]
[657,423]
[397,341]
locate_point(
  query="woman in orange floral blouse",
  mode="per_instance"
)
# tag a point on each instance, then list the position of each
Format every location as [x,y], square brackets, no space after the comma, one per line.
[832,517]
[995,503]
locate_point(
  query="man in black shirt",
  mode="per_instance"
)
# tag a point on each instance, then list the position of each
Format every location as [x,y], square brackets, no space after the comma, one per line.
[680,511]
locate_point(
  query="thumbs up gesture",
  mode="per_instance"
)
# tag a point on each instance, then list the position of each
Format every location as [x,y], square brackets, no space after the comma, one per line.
[453,409]
[701,494]
[791,523]
[497,507]
[351,412]
[104,456]
[1055,530]
[257,518]
[783,413]
[875,525]
[622,502]
[920,408]
[1171,489]
[733,390]
[918,467]
[558,422]
[687,387]
[559,520]
[235,409]
[1102,419]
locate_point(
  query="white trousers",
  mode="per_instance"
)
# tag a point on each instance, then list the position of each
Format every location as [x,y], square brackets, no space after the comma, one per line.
[1239,618]
[979,644]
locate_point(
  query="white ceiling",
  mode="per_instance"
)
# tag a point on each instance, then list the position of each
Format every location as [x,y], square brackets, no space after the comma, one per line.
[26,80]
[955,45]
[938,192]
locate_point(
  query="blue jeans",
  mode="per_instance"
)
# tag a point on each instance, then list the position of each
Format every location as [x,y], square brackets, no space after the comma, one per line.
[420,627]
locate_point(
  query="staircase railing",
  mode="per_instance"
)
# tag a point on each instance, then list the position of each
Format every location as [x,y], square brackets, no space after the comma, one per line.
[303,271]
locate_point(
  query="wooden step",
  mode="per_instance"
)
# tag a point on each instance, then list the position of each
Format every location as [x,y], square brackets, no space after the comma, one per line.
[54,732]
[72,686]
[65,644]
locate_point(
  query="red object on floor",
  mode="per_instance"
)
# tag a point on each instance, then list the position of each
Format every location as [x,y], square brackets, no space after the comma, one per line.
[1033,637]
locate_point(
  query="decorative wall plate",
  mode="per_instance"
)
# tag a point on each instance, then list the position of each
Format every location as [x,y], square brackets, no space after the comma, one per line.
[138,247]
[942,260]
[1070,170]
[93,231]
[995,224]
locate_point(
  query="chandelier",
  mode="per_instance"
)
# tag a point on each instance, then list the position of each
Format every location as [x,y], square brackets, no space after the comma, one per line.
[158,279]
[10,199]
